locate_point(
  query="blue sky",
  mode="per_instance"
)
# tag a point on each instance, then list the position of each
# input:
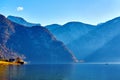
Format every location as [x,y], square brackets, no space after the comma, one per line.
[48,12]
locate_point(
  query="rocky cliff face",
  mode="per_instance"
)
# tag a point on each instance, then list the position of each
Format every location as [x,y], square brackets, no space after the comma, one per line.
[36,43]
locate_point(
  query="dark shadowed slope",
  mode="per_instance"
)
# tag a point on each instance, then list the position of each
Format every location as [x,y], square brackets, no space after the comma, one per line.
[36,43]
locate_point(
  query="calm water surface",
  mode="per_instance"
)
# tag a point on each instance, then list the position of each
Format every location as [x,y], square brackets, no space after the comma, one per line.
[61,72]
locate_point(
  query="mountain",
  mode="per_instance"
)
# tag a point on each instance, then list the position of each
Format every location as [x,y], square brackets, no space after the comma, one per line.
[21,21]
[6,29]
[70,32]
[53,27]
[99,45]
[108,47]
[36,43]
[89,43]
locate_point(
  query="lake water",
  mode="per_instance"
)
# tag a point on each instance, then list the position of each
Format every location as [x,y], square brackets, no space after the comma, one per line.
[61,72]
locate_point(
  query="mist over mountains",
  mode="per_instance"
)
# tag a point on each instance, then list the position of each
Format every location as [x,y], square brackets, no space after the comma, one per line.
[98,43]
[91,43]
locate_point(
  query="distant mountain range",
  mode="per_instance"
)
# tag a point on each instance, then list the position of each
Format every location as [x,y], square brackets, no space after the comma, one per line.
[107,41]
[90,43]
[70,31]
[100,43]
[36,43]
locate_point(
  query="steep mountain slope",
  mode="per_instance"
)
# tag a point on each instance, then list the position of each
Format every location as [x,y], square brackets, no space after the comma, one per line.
[36,43]
[21,21]
[100,43]
[6,29]
[71,32]
[110,50]
[96,39]
[89,43]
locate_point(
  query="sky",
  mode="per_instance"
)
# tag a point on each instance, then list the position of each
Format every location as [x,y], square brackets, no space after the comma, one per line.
[48,12]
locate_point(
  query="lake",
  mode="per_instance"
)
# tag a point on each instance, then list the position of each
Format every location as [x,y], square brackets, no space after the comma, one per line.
[61,72]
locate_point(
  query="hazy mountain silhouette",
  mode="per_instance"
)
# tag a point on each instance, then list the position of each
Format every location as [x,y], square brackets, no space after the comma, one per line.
[96,43]
[21,21]
[109,43]
[69,33]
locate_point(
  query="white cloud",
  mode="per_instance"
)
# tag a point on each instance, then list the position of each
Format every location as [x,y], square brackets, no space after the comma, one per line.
[20,8]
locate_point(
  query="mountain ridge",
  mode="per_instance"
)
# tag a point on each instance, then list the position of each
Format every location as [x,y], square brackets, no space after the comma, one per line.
[21,21]
[87,41]
[36,43]
[87,44]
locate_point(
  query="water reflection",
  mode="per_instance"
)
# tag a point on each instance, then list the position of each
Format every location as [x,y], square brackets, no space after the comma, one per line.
[10,72]
[15,72]
[60,72]
[36,72]
[48,72]
[3,72]
[96,72]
